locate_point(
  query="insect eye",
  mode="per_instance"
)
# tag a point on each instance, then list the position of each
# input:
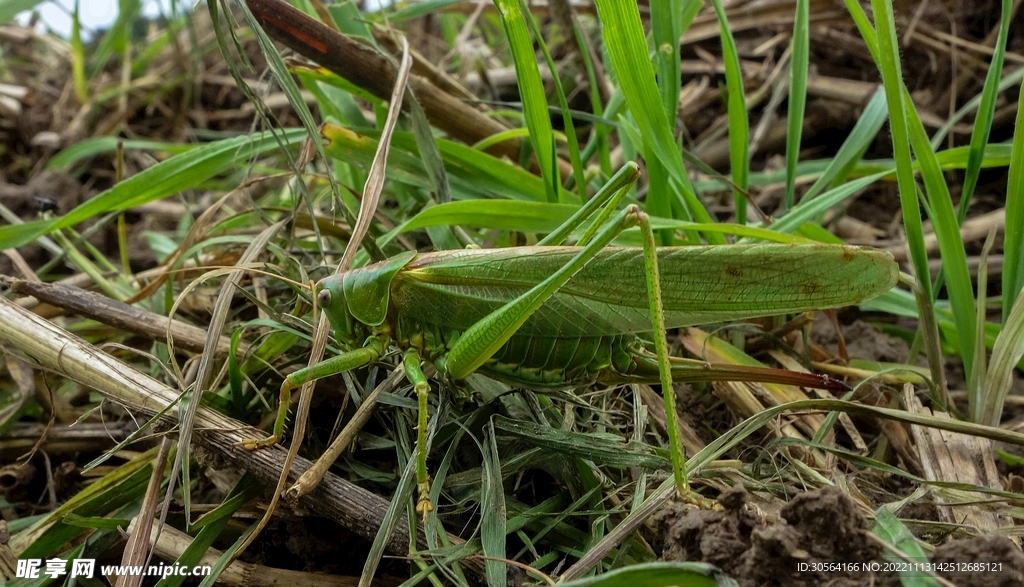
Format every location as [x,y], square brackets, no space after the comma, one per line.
[324,298]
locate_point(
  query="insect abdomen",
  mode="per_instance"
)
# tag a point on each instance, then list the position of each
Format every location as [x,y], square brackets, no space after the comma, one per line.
[531,362]
[547,362]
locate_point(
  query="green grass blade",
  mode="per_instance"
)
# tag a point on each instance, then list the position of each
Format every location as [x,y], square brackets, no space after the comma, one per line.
[400,502]
[665,16]
[78,57]
[885,49]
[798,64]
[214,523]
[739,126]
[570,129]
[531,91]
[1013,78]
[983,120]
[492,505]
[947,230]
[166,178]
[115,489]
[494,214]
[287,83]
[665,29]
[611,450]
[476,170]
[411,10]
[1006,353]
[809,209]
[627,49]
[1013,235]
[433,162]
[97,145]
[856,143]
[890,529]
[10,8]
[974,385]
[659,574]
[115,40]
[350,20]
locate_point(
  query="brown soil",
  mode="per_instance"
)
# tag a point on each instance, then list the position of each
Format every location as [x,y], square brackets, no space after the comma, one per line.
[815,528]
[821,526]
[1008,569]
[863,341]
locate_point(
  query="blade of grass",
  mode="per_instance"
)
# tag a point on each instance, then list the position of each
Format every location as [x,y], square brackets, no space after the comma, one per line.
[659,574]
[884,49]
[531,91]
[77,57]
[11,8]
[118,487]
[1013,234]
[115,40]
[398,505]
[1011,79]
[97,145]
[665,31]
[947,230]
[1006,353]
[570,129]
[611,450]
[492,505]
[166,178]
[798,64]
[809,209]
[739,126]
[986,109]
[856,143]
[975,391]
[982,124]
[600,135]
[214,523]
[627,48]
[477,170]
[286,82]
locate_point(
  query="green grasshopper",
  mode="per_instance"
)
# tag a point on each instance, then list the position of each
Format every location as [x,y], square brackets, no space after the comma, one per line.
[546,317]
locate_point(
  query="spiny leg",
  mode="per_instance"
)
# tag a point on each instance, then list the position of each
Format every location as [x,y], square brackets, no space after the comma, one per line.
[411,362]
[675,442]
[372,350]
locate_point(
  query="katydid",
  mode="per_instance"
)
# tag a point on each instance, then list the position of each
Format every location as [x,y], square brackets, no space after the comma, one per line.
[555,317]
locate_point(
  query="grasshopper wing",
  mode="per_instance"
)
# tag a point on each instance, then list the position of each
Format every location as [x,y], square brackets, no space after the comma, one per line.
[700,285]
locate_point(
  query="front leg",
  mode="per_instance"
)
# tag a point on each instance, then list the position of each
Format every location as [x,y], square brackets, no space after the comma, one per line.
[411,362]
[343,362]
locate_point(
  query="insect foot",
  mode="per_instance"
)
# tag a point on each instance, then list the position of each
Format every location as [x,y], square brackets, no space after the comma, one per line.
[287,386]
[693,498]
[251,444]
[424,506]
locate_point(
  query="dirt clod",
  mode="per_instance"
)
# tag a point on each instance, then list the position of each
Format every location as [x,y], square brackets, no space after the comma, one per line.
[821,526]
[998,562]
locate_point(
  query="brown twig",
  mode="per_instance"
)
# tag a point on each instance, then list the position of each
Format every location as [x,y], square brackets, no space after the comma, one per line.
[57,350]
[367,69]
[120,315]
